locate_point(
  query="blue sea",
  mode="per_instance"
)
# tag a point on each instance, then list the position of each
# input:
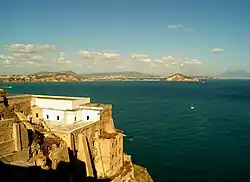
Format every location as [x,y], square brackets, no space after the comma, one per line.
[181,132]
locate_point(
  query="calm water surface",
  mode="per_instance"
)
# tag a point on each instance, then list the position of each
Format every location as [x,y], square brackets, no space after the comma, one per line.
[176,143]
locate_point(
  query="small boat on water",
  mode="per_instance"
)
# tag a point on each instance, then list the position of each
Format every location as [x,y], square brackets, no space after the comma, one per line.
[8,86]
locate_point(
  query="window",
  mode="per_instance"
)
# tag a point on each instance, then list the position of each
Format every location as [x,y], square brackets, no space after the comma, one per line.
[1,116]
[75,118]
[57,117]
[37,115]
[87,117]
[47,116]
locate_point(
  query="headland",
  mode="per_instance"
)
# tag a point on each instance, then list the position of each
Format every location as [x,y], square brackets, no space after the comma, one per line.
[65,138]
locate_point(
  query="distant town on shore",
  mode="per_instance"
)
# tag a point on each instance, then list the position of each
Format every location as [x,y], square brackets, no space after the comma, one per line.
[69,76]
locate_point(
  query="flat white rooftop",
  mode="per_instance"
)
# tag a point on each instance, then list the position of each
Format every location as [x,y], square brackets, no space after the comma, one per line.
[59,97]
[12,96]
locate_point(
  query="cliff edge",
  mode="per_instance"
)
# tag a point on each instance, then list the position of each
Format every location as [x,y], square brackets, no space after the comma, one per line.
[141,174]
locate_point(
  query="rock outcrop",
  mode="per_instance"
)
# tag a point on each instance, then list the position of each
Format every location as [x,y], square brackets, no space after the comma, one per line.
[141,174]
[180,78]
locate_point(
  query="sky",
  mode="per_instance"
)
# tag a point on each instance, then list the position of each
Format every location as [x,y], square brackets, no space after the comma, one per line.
[193,37]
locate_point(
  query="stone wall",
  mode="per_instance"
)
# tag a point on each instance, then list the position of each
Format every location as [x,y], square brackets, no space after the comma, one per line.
[13,140]
[7,143]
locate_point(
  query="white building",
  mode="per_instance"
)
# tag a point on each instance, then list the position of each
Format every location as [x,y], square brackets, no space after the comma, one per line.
[64,110]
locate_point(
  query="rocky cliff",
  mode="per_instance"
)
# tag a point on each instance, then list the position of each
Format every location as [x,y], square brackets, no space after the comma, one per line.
[141,174]
[49,151]
[180,78]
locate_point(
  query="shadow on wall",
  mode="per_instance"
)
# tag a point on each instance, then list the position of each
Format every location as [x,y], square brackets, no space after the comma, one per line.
[74,171]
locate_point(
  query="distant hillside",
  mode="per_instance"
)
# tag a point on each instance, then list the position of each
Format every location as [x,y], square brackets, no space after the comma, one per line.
[47,73]
[69,76]
[122,74]
[180,78]
[240,74]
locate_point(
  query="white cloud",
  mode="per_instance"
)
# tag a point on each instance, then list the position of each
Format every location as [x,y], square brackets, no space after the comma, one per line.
[27,56]
[31,48]
[174,63]
[88,54]
[168,58]
[62,59]
[145,60]
[6,60]
[217,50]
[175,26]
[158,60]
[30,62]
[193,62]
[99,55]
[111,56]
[141,58]
[3,57]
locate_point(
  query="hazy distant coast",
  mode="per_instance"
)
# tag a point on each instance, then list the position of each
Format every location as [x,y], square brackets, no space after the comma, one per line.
[68,76]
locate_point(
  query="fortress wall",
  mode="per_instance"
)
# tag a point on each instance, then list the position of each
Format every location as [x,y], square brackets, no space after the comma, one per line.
[84,140]
[112,153]
[107,124]
[105,147]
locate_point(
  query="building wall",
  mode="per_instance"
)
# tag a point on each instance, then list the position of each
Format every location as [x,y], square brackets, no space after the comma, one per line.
[37,114]
[53,115]
[82,101]
[53,103]
[60,103]
[90,115]
[73,116]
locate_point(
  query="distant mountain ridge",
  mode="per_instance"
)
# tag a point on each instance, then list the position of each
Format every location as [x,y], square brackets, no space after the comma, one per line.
[235,74]
[70,76]
[125,73]
[48,73]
